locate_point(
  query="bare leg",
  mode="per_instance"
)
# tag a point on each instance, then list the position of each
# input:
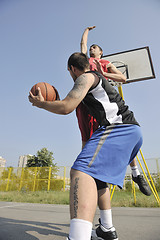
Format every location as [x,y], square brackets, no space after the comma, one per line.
[83,196]
[133,163]
[104,202]
[83,203]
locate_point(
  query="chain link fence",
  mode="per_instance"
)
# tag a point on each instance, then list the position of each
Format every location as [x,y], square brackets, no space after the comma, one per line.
[54,178]
[34,179]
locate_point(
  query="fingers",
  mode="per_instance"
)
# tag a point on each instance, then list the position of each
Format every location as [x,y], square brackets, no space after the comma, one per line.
[39,91]
[90,28]
[98,65]
[30,97]
[96,61]
[36,100]
[31,94]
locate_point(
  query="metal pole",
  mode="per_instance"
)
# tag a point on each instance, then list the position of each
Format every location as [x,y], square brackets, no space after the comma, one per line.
[150,177]
[34,183]
[9,176]
[134,192]
[21,180]
[112,192]
[49,178]
[64,179]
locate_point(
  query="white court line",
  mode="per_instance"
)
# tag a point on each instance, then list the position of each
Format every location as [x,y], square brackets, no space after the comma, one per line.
[57,206]
[17,205]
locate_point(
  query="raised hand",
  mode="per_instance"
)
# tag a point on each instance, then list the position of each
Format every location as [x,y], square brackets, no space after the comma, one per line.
[90,28]
[98,65]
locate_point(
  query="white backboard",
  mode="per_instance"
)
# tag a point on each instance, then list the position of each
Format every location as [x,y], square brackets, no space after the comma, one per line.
[135,64]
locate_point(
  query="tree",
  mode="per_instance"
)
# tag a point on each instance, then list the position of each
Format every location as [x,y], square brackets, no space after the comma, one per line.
[44,158]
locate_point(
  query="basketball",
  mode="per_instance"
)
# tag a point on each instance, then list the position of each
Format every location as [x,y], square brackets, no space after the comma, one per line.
[48,91]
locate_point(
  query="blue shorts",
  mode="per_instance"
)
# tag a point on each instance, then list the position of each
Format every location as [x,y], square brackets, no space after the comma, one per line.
[108,152]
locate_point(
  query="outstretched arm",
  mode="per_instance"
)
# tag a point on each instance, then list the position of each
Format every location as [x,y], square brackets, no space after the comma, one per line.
[113,73]
[84,39]
[81,86]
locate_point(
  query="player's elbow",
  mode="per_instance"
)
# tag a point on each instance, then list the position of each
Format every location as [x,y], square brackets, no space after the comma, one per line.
[69,105]
[67,109]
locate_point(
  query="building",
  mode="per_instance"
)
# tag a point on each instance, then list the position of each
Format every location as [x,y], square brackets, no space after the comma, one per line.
[2,162]
[23,160]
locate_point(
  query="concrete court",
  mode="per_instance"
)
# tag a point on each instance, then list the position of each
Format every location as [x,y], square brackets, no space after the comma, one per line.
[26,221]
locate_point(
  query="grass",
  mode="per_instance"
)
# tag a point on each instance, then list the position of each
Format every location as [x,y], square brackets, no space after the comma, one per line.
[120,198]
[126,199]
[45,197]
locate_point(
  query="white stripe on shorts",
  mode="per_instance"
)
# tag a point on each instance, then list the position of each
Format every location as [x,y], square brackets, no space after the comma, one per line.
[101,142]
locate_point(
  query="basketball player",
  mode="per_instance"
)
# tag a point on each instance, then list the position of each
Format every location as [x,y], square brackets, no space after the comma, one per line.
[89,125]
[105,157]
[105,68]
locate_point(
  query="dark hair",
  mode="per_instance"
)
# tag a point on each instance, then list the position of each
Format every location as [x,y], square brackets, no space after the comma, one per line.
[99,48]
[78,60]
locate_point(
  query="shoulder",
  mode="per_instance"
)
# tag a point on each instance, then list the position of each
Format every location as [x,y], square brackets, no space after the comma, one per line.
[92,77]
[85,81]
[104,61]
[87,76]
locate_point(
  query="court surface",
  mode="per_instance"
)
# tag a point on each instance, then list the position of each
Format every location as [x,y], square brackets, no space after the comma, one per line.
[26,221]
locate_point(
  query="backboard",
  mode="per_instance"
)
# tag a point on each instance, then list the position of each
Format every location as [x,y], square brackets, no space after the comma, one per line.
[135,64]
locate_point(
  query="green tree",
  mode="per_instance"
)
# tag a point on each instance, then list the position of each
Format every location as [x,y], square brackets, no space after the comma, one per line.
[44,158]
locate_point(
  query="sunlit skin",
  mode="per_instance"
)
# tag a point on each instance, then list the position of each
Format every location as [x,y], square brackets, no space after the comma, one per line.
[95,52]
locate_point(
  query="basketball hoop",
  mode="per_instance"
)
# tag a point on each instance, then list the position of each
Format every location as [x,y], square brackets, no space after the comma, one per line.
[122,67]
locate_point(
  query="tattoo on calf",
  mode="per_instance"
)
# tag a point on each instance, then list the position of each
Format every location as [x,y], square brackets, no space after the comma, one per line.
[76,197]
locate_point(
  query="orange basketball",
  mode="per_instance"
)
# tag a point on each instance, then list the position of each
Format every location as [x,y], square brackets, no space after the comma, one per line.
[48,92]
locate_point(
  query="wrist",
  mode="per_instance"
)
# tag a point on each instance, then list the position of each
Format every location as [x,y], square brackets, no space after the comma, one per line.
[41,104]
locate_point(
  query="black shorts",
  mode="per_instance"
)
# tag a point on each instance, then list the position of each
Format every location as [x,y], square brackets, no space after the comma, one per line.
[100,184]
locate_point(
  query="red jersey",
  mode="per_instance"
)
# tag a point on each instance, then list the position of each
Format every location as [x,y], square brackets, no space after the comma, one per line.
[87,123]
[103,63]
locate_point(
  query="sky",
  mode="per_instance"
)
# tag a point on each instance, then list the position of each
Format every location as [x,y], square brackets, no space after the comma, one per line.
[37,38]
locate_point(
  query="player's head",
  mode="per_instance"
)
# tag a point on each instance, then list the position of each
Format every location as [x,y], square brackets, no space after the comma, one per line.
[77,63]
[95,51]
